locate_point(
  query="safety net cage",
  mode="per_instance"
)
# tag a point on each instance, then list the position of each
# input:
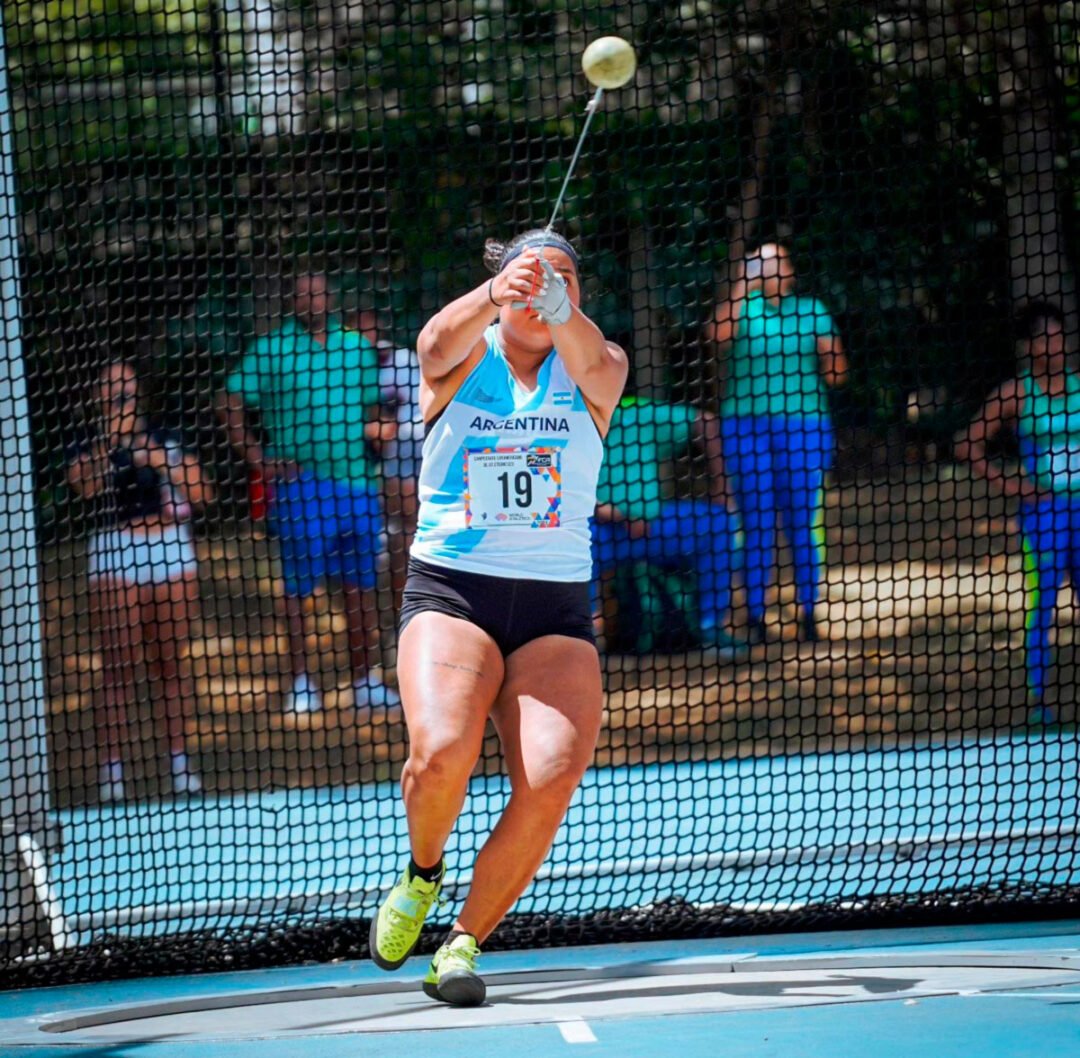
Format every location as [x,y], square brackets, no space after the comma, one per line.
[837,531]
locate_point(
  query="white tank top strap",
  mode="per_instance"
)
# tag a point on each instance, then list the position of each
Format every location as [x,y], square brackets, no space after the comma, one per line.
[508,478]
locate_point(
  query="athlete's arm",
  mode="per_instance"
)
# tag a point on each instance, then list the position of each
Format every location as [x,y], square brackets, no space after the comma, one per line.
[597,366]
[1000,411]
[833,360]
[452,341]
[456,331]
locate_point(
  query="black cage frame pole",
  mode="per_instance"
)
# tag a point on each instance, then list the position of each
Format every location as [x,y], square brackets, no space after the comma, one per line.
[31,919]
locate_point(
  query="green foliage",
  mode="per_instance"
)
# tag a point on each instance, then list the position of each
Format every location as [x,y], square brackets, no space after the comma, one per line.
[97,79]
[428,126]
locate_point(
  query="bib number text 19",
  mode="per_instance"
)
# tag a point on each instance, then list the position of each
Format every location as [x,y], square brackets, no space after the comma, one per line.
[522,489]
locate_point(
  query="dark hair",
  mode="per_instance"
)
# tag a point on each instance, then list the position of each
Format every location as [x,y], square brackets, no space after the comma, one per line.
[1031,320]
[496,253]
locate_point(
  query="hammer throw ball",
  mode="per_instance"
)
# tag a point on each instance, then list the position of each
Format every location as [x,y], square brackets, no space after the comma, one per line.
[609,62]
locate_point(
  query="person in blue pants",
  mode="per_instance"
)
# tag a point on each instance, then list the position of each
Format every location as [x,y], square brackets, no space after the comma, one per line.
[1040,406]
[636,522]
[784,352]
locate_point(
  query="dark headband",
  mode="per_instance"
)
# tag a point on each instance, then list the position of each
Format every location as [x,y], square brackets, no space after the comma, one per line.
[541,239]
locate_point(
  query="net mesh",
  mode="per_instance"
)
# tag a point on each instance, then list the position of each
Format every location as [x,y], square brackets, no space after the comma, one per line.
[834,239]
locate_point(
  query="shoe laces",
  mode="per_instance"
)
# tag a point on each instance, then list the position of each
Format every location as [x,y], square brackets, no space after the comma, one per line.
[417,899]
[462,953]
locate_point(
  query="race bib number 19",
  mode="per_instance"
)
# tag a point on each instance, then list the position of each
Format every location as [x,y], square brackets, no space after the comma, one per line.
[512,487]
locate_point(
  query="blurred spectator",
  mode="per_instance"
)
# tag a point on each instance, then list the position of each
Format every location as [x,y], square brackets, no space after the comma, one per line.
[636,523]
[399,444]
[784,350]
[141,486]
[315,387]
[399,384]
[1040,405]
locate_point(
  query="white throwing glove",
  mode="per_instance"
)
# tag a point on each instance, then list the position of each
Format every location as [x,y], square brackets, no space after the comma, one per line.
[551,302]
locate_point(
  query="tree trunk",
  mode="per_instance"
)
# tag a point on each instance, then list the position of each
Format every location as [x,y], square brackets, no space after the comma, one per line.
[1039,263]
[646,304]
[744,223]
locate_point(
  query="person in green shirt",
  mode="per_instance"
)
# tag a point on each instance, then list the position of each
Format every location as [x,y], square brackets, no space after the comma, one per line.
[315,386]
[1040,407]
[784,352]
[636,522]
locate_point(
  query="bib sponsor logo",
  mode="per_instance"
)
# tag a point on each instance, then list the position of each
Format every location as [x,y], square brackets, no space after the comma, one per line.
[534,460]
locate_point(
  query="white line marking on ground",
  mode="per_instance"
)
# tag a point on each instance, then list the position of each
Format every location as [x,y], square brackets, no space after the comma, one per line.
[1063,994]
[576,1031]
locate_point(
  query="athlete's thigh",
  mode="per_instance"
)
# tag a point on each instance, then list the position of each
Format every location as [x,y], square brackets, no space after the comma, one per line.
[548,712]
[449,673]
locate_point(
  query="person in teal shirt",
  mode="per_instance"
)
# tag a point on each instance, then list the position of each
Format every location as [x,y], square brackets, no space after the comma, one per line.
[315,386]
[784,352]
[637,522]
[1040,406]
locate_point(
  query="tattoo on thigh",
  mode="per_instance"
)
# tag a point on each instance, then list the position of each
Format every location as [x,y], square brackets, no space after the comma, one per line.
[460,668]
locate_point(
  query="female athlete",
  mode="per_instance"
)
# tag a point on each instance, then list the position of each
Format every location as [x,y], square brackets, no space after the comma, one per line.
[496,619]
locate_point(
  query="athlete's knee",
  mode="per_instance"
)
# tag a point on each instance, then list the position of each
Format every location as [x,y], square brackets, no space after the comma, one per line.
[439,763]
[553,782]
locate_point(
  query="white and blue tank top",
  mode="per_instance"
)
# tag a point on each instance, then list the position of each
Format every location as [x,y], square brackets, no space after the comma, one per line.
[508,479]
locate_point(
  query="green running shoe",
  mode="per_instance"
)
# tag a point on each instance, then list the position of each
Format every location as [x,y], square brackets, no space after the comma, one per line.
[452,976]
[396,928]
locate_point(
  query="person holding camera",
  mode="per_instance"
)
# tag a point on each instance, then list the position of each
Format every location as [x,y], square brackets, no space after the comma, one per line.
[141,486]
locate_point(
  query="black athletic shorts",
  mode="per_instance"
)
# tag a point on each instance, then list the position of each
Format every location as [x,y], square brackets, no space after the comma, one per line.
[513,612]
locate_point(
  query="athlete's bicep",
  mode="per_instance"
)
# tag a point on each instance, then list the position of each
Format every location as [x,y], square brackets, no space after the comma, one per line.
[603,385]
[436,392]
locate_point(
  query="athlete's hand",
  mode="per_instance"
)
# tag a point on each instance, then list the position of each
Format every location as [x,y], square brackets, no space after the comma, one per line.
[517,283]
[551,301]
